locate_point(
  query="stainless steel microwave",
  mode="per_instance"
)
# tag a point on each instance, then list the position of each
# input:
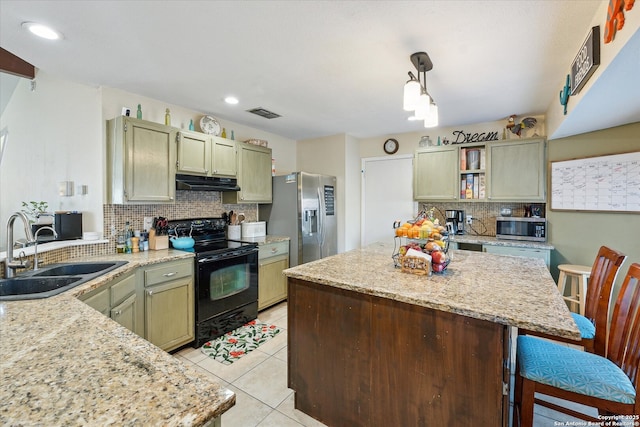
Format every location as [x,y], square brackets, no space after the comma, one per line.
[517,228]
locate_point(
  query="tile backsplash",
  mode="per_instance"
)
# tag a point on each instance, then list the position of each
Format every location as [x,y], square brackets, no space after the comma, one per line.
[484,214]
[189,204]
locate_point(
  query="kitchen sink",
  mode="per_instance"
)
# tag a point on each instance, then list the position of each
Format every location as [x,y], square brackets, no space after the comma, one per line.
[22,286]
[53,279]
[76,268]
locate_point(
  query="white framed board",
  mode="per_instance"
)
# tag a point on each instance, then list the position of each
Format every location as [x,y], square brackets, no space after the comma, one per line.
[605,183]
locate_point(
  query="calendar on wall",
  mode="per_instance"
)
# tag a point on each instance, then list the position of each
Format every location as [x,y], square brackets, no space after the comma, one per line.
[606,183]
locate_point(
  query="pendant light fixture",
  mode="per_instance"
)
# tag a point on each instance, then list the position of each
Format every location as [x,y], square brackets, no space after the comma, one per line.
[416,96]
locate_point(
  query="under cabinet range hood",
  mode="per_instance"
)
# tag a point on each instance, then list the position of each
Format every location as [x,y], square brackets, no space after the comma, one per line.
[205,183]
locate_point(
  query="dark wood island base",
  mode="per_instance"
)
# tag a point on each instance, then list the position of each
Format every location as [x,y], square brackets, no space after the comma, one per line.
[362,360]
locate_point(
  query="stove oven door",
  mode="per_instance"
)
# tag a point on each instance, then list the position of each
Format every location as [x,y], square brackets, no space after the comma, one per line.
[225,282]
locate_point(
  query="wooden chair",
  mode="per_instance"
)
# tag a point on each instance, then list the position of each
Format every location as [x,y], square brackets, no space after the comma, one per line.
[593,325]
[609,384]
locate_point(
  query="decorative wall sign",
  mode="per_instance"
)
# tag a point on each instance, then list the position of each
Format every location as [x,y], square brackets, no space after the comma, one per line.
[463,138]
[586,61]
[564,94]
[615,17]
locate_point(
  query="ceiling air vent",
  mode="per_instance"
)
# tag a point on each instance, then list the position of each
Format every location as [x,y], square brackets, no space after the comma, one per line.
[264,113]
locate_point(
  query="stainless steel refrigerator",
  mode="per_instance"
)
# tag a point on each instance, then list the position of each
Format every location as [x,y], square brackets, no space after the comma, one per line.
[303,209]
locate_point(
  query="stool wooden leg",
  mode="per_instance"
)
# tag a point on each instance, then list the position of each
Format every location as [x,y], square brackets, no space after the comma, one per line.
[561,279]
[583,293]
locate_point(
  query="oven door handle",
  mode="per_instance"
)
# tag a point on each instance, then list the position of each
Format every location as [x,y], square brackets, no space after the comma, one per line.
[227,255]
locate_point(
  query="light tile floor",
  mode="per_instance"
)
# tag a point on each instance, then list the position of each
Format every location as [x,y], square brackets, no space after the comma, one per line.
[259,381]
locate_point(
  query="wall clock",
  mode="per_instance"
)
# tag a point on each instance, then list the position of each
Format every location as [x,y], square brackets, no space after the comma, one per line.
[391,146]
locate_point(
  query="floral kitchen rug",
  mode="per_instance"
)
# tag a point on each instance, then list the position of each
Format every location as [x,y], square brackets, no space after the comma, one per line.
[233,345]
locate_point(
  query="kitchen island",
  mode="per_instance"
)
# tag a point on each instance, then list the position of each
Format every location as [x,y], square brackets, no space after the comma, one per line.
[63,363]
[370,345]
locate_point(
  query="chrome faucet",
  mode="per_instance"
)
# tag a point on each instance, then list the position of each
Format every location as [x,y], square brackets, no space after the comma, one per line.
[35,247]
[10,264]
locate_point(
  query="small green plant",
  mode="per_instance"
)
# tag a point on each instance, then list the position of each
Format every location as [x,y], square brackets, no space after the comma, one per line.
[34,209]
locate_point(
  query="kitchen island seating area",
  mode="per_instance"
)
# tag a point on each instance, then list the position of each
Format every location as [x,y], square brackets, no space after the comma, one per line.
[608,383]
[593,325]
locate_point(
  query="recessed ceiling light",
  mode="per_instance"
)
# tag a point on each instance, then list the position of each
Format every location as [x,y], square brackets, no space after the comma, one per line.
[231,100]
[412,118]
[41,30]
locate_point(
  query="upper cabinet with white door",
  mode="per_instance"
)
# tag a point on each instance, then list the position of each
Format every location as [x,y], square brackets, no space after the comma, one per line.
[141,158]
[205,155]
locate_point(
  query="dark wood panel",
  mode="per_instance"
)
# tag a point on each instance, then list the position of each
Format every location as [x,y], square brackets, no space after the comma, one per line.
[10,63]
[434,368]
[359,360]
[328,353]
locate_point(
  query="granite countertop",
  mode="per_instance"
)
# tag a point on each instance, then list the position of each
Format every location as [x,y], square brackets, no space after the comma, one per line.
[265,240]
[492,240]
[509,290]
[63,363]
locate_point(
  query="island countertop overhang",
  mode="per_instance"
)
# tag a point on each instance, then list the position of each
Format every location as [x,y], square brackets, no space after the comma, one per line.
[514,291]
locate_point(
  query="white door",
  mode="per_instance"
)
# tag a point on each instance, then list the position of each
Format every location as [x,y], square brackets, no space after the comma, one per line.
[387,196]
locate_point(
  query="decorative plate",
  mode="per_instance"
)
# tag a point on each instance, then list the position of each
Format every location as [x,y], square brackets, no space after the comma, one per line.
[210,126]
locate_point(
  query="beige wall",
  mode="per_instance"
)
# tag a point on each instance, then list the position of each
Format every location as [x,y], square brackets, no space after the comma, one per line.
[578,235]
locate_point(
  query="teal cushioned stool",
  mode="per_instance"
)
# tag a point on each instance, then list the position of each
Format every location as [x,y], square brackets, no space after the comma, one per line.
[574,370]
[587,329]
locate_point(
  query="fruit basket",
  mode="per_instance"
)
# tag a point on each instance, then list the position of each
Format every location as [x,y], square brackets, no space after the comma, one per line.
[425,236]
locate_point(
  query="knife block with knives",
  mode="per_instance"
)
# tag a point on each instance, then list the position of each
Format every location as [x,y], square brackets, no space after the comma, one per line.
[158,237]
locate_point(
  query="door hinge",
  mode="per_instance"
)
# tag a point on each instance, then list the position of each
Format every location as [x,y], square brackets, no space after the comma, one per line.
[178,137]
[505,389]
[177,164]
[125,127]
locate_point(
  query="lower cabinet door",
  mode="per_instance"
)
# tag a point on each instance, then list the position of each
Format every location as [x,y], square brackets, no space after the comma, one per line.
[272,284]
[99,301]
[169,314]
[125,314]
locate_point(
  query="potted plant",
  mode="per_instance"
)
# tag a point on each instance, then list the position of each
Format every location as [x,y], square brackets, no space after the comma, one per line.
[37,214]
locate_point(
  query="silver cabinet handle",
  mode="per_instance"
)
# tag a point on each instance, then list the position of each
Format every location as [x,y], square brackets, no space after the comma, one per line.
[274,250]
[149,293]
[118,313]
[170,274]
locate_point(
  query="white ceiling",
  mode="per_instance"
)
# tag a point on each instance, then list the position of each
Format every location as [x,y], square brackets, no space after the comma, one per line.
[327,67]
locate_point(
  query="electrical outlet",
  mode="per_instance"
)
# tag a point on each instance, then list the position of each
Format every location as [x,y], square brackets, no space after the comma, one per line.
[147,223]
[469,219]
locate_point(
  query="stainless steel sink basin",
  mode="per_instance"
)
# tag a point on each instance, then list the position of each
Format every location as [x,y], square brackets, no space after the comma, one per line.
[77,268]
[53,279]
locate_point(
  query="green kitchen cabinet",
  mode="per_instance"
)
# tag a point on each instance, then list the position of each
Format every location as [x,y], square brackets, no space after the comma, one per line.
[141,158]
[544,254]
[169,304]
[224,157]
[194,153]
[118,300]
[435,173]
[516,170]
[205,155]
[254,175]
[273,259]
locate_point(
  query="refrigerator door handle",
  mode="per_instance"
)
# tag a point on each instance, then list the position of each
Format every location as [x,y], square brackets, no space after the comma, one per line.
[321,213]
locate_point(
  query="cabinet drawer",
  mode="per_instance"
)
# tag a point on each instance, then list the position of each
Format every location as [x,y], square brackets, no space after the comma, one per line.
[273,249]
[123,289]
[168,271]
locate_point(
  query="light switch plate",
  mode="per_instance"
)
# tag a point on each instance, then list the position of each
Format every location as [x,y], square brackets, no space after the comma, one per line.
[148,223]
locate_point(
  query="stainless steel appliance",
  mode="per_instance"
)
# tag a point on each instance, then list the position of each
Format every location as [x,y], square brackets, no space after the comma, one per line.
[456,220]
[518,228]
[304,209]
[226,277]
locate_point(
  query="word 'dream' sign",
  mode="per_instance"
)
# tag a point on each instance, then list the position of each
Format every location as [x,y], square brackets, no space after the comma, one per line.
[586,61]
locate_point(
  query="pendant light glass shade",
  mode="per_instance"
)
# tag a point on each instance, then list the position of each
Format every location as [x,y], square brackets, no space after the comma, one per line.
[422,110]
[432,119]
[412,91]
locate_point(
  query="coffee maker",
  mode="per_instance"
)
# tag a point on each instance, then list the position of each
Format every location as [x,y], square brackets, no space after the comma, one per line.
[456,220]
